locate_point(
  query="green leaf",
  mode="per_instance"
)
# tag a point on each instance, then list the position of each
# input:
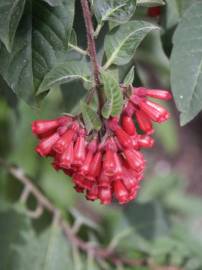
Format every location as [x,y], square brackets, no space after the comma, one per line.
[13,224]
[112,10]
[114,99]
[10,15]
[148,219]
[63,73]
[53,3]
[150,3]
[186,64]
[72,93]
[73,38]
[129,77]
[122,42]
[49,251]
[8,94]
[43,32]
[90,117]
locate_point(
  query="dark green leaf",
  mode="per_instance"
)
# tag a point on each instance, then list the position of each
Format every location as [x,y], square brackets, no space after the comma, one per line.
[63,73]
[8,94]
[90,117]
[186,64]
[13,225]
[72,93]
[118,11]
[122,42]
[114,98]
[10,15]
[150,3]
[149,219]
[43,32]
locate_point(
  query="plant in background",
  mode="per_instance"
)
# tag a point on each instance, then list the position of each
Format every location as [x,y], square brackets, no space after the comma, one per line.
[94,69]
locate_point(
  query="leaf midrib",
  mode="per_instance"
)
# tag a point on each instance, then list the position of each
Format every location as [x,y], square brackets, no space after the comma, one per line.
[115,53]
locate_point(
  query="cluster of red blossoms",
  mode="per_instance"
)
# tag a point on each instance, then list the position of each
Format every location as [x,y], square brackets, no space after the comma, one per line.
[110,165]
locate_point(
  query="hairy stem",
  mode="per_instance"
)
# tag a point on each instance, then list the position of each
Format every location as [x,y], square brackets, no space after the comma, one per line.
[92,50]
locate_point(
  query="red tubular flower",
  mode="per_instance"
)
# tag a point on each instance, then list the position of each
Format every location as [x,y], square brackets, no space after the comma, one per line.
[154,111]
[129,179]
[120,192]
[154,11]
[105,195]
[104,180]
[123,138]
[65,140]
[135,159]
[67,157]
[128,125]
[79,151]
[145,141]
[91,148]
[108,162]
[144,122]
[95,167]
[44,126]
[118,166]
[154,93]
[82,182]
[159,94]
[45,146]
[92,194]
[132,195]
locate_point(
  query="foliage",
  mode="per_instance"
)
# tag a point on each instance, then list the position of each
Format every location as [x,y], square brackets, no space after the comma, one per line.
[44,71]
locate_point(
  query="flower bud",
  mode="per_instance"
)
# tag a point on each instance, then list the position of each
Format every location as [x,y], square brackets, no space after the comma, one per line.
[128,125]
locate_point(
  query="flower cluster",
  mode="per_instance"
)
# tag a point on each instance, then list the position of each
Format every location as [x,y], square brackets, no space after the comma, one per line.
[109,164]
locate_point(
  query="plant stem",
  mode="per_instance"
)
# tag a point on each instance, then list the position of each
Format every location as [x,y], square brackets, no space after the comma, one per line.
[92,50]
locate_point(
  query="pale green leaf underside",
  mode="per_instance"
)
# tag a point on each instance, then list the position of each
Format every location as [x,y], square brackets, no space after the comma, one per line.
[113,10]
[186,64]
[114,98]
[49,251]
[10,15]
[90,117]
[130,76]
[63,73]
[122,42]
[150,3]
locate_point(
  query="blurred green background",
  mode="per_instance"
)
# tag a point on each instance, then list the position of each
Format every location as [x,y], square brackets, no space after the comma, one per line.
[162,229]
